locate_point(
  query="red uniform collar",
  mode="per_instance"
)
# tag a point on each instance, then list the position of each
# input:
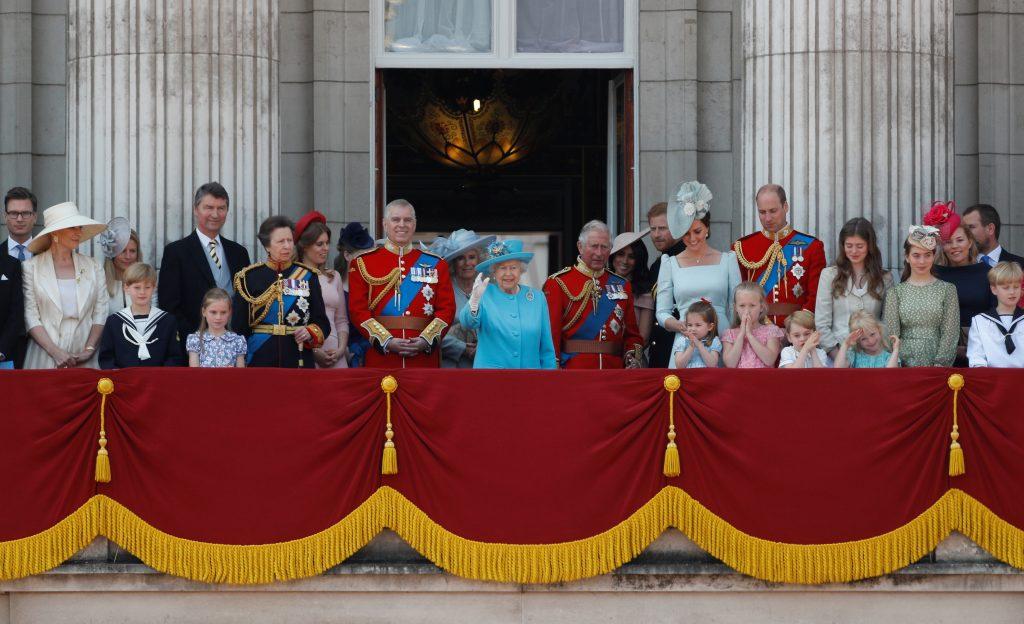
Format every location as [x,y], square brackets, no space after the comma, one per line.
[584,269]
[786,231]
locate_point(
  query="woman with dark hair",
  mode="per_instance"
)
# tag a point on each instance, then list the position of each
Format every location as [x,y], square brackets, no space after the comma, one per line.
[312,247]
[353,241]
[628,259]
[857,282]
[278,305]
[921,310]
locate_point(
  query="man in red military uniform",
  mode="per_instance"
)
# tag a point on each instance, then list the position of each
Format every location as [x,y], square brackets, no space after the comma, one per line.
[400,297]
[786,263]
[593,323]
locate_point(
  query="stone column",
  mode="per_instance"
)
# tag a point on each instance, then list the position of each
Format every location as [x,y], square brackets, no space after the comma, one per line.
[849,106]
[164,95]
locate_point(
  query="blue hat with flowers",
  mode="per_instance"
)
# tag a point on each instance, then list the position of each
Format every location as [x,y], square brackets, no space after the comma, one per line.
[503,251]
[691,201]
[461,241]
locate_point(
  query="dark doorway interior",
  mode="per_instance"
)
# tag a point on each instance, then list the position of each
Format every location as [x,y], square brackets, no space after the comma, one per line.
[536,161]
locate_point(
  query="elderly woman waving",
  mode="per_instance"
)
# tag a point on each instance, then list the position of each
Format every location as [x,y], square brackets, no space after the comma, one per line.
[511,320]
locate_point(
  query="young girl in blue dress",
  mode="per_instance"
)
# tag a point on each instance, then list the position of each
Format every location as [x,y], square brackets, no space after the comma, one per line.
[866,346]
[700,346]
[213,346]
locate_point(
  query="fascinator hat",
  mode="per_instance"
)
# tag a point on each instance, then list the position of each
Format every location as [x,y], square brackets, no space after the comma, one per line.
[355,236]
[924,236]
[503,251]
[943,216]
[458,244]
[115,238]
[692,201]
[308,219]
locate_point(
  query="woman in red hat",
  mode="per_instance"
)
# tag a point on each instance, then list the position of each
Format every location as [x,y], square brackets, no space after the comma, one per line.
[313,246]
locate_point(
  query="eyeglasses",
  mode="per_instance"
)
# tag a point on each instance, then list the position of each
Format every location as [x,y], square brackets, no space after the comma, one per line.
[20,214]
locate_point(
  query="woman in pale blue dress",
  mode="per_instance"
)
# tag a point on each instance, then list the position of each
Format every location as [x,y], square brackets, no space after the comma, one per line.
[511,320]
[698,272]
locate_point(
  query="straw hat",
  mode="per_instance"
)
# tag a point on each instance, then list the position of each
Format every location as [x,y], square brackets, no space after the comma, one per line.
[626,239]
[62,217]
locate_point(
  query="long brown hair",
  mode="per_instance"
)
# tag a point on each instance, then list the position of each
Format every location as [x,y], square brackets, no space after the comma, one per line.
[861,228]
[972,253]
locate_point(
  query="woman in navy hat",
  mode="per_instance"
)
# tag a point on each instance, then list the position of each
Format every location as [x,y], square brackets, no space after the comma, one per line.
[463,251]
[354,240]
[511,320]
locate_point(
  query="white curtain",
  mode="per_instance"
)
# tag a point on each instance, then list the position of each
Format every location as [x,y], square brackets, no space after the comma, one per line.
[438,25]
[569,25]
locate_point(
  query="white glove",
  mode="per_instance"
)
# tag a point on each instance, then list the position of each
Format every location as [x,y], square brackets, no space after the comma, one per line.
[479,286]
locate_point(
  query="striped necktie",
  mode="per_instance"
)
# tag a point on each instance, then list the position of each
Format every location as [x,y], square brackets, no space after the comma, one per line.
[213,254]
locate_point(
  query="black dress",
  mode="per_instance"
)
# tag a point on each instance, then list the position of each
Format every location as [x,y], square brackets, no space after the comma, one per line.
[270,303]
[661,339]
[972,289]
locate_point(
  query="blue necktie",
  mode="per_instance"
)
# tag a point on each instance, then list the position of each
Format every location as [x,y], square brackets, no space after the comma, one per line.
[21,252]
[987,260]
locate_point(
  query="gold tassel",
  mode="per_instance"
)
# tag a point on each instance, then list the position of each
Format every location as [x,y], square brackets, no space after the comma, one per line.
[104,387]
[956,454]
[389,463]
[671,466]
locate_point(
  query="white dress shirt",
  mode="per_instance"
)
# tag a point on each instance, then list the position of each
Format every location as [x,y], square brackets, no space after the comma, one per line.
[12,248]
[205,240]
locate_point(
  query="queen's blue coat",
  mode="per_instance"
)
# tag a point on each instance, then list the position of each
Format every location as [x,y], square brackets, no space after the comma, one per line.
[514,331]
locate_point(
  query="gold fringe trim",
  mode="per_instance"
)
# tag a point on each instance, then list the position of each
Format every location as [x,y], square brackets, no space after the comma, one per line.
[518,563]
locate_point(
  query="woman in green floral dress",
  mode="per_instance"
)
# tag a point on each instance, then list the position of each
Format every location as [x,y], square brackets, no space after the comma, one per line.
[922,311]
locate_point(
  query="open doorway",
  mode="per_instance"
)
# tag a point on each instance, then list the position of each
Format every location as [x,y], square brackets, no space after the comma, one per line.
[527,153]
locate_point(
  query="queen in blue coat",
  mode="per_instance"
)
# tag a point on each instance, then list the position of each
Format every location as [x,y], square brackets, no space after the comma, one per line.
[511,319]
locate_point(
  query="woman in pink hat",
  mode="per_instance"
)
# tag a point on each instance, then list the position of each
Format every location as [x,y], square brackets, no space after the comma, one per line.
[65,292]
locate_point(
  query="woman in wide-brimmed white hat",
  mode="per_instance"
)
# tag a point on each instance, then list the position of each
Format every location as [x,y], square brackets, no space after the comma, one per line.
[65,292]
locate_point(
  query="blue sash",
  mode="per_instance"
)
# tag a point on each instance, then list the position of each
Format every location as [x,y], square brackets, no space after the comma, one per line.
[591,327]
[255,341]
[408,289]
[802,241]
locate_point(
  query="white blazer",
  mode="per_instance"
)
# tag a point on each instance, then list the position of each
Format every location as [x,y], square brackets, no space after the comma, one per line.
[43,307]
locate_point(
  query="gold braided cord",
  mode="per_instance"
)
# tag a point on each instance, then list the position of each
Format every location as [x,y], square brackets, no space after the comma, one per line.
[774,254]
[259,306]
[518,563]
[389,281]
[588,290]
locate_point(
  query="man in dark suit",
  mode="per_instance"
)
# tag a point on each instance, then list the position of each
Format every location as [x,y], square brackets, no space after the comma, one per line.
[12,311]
[660,349]
[20,211]
[984,223]
[202,260]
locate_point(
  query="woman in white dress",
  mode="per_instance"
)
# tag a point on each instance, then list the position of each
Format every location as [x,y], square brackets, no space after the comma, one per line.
[699,271]
[65,293]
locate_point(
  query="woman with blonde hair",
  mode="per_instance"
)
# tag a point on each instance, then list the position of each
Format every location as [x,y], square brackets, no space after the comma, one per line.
[65,293]
[121,248]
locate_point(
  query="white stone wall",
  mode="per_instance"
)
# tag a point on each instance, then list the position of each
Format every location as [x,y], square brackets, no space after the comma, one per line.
[849,106]
[325,110]
[165,95]
[33,97]
[989,78]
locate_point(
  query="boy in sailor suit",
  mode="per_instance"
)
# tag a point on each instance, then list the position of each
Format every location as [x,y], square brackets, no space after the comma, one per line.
[140,335]
[997,337]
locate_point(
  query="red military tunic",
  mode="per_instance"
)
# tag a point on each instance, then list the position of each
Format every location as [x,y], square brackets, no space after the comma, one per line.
[593,322]
[401,293]
[787,265]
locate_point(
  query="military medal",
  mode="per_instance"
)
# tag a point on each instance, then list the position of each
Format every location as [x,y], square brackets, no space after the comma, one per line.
[798,290]
[428,309]
[798,269]
[423,274]
[619,313]
[296,288]
[428,292]
[614,326]
[302,304]
[293,318]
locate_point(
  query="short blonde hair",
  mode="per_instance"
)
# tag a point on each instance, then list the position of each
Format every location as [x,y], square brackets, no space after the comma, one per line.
[752,288]
[1005,273]
[864,321]
[802,318]
[139,272]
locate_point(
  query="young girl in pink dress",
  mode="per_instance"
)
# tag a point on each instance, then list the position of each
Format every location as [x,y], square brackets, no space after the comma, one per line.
[752,342]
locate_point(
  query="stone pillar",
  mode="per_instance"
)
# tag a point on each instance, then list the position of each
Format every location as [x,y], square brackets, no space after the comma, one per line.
[164,95]
[849,106]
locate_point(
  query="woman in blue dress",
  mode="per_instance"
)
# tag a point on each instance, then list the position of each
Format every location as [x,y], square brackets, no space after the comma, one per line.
[511,319]
[699,271]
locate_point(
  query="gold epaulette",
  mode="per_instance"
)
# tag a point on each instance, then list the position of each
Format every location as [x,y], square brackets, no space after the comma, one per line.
[559,273]
[311,269]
